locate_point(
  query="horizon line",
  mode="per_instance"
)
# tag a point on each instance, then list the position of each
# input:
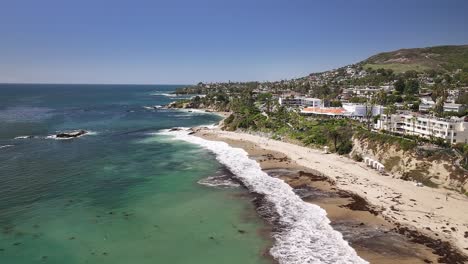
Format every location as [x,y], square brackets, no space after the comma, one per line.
[59,83]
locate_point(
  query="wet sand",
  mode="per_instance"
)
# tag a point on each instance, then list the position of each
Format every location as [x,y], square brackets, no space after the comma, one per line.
[374,238]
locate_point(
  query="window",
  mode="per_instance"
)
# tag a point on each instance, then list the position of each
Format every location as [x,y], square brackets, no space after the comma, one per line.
[454,134]
[454,140]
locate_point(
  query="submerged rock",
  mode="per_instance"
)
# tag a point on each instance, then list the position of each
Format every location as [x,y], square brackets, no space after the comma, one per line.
[72,134]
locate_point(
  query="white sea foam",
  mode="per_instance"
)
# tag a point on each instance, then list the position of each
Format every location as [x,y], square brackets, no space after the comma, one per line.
[304,234]
[23,137]
[180,96]
[6,146]
[212,126]
[164,94]
[175,96]
[219,181]
[193,111]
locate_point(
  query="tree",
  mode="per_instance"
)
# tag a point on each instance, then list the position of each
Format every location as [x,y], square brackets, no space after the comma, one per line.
[411,74]
[463,78]
[381,97]
[389,110]
[463,99]
[335,103]
[412,86]
[399,86]
[333,133]
[267,99]
[439,106]
[413,120]
[369,112]
[438,91]
[448,79]
[465,154]
[415,106]
[439,95]
[391,99]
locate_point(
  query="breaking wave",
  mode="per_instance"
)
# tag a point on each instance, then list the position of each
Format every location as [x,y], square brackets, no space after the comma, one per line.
[304,233]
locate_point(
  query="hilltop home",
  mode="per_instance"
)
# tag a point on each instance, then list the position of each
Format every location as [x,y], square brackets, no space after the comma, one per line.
[453,130]
[365,92]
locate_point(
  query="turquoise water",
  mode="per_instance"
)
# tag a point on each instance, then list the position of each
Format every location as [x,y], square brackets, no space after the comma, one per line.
[120,195]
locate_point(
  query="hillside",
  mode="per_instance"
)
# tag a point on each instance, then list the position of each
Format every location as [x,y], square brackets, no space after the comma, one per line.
[439,58]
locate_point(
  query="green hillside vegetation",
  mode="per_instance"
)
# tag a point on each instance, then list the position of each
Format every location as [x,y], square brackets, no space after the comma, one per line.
[398,67]
[440,58]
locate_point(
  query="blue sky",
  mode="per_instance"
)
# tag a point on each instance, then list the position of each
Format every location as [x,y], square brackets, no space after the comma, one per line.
[181,42]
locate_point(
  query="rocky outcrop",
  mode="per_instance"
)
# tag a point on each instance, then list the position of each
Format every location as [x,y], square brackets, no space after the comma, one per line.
[71,134]
[434,167]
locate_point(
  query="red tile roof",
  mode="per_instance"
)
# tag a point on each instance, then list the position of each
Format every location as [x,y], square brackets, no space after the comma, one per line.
[325,110]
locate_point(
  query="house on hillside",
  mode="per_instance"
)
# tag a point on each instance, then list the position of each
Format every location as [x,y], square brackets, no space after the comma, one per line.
[427,105]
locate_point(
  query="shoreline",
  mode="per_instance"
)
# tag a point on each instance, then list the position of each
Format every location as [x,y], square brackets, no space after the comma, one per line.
[205,110]
[394,220]
[302,232]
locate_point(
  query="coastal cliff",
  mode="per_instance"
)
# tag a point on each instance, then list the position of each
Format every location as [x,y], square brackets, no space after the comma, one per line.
[434,167]
[430,216]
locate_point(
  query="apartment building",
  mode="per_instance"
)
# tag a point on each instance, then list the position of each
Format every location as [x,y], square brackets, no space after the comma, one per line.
[453,130]
[300,101]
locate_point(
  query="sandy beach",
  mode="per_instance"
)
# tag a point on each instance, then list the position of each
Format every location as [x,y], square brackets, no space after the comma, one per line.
[405,222]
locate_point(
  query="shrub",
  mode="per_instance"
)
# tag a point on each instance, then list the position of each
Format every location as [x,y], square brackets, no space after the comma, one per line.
[357,157]
[345,148]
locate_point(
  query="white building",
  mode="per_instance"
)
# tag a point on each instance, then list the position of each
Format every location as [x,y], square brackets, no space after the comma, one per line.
[348,110]
[365,92]
[455,93]
[360,110]
[453,130]
[300,101]
[427,104]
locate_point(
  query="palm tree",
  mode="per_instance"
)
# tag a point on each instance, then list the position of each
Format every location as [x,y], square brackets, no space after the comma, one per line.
[369,112]
[413,120]
[268,102]
[439,106]
[334,134]
[389,110]
[465,155]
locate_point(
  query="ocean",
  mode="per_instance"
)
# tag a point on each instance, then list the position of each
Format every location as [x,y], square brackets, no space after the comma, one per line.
[124,193]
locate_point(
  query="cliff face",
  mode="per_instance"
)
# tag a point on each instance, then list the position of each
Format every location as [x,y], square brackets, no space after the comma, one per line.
[432,167]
